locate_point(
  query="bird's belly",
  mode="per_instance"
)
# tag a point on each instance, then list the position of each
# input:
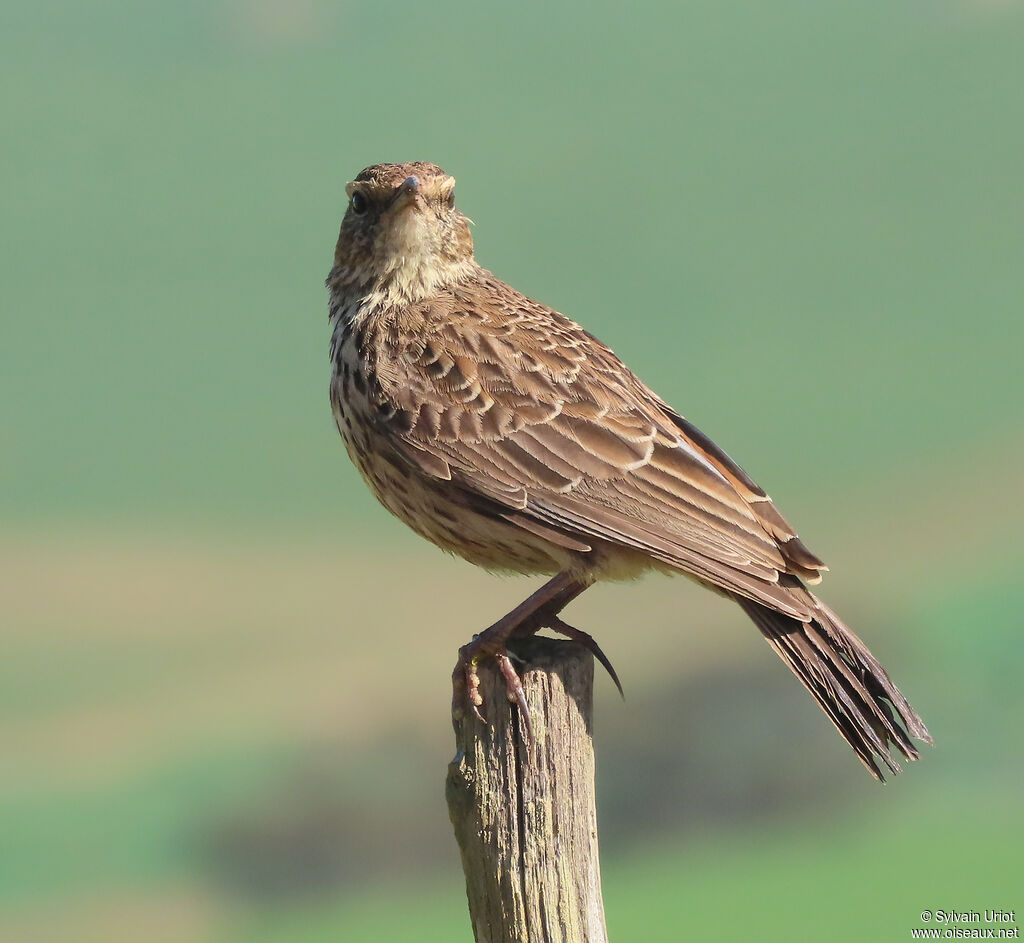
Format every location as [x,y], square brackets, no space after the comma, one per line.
[435,509]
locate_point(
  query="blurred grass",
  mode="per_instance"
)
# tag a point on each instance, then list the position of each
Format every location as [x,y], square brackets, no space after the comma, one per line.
[285,777]
[860,880]
[801,224]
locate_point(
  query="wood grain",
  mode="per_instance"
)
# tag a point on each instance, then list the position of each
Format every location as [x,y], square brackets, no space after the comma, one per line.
[524,814]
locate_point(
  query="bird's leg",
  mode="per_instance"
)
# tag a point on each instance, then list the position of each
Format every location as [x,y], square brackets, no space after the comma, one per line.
[532,614]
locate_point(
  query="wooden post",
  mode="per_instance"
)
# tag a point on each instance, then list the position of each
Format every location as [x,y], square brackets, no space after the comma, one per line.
[525,815]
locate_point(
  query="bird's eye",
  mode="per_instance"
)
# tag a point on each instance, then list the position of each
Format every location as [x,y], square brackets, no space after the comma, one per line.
[450,202]
[359,203]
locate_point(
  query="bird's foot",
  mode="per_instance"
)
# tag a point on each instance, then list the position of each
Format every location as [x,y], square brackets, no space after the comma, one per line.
[466,682]
[540,609]
[466,679]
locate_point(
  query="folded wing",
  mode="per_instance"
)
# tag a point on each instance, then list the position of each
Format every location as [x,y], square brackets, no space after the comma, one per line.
[523,408]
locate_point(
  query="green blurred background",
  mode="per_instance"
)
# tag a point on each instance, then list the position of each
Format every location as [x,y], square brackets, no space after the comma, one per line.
[224,684]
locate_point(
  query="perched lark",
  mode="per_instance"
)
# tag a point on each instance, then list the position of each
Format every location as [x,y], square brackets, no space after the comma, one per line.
[505,433]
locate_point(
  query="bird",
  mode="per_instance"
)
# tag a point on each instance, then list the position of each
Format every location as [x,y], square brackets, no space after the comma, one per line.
[503,432]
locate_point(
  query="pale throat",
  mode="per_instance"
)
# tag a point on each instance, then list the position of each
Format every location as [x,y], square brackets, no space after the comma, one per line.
[412,262]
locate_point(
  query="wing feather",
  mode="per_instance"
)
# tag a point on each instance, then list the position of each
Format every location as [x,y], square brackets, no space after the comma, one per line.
[519,405]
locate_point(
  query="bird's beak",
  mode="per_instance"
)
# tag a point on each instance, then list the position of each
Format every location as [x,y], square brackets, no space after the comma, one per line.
[408,193]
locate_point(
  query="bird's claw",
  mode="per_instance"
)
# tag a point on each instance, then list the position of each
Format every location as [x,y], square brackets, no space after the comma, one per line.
[466,688]
[589,643]
[515,693]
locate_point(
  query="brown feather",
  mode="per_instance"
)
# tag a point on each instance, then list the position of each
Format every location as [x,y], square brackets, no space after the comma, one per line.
[558,429]
[502,431]
[848,683]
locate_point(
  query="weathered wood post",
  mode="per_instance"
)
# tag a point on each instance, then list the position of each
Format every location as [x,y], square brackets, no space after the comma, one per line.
[525,815]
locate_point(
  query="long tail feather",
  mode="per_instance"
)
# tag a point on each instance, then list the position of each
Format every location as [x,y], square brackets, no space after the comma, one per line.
[853,689]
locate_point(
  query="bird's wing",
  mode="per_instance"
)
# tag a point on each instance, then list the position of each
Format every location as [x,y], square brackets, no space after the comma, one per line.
[517,404]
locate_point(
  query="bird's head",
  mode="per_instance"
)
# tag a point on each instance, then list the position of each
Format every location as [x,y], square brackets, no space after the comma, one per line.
[402,235]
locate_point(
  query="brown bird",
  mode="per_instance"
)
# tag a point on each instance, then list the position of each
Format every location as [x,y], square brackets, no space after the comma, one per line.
[505,433]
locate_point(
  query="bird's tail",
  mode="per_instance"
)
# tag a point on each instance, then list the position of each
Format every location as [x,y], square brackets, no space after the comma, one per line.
[845,679]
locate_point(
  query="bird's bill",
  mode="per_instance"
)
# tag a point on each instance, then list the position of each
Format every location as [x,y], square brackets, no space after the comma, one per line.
[408,193]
